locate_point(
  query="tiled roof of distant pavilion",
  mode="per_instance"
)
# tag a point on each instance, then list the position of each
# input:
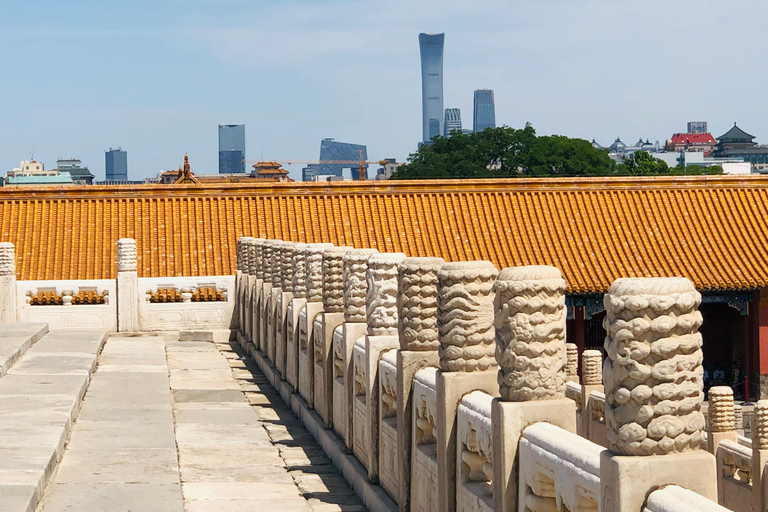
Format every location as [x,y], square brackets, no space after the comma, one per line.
[713,230]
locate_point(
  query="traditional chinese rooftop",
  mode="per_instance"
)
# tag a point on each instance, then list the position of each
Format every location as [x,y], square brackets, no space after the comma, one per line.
[713,229]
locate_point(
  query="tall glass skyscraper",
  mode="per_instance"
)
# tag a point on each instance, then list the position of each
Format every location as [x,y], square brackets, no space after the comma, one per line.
[231,148]
[431,46]
[485,111]
[452,121]
[116,164]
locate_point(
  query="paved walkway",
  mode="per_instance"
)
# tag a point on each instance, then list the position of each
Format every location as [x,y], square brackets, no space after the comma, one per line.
[189,426]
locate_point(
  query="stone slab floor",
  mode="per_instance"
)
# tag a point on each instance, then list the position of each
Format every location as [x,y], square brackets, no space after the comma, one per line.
[189,426]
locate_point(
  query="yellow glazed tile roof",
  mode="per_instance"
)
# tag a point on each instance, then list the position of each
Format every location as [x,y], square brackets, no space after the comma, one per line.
[713,230]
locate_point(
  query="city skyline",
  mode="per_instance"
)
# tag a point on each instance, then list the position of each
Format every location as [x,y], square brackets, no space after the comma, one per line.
[171,68]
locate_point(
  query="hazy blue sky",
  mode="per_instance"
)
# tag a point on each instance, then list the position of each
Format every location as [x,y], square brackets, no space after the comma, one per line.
[158,77]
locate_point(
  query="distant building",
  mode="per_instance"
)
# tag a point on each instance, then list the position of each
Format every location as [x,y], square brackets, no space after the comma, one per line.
[431,46]
[697,127]
[452,121]
[736,143]
[80,174]
[334,158]
[389,166]
[484,115]
[618,151]
[31,172]
[116,164]
[691,141]
[231,148]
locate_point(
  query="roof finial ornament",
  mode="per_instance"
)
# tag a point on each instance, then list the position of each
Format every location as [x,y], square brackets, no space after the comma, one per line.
[185,174]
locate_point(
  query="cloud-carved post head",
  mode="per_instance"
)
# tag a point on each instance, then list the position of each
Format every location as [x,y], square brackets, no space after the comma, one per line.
[268,254]
[239,253]
[126,255]
[465,316]
[381,295]
[592,367]
[299,269]
[257,260]
[7,259]
[286,266]
[530,333]
[572,361]
[355,286]
[652,372]
[333,279]
[313,262]
[417,303]
[720,412]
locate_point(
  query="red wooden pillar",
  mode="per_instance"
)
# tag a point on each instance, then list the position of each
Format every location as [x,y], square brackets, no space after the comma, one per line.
[760,338]
[579,330]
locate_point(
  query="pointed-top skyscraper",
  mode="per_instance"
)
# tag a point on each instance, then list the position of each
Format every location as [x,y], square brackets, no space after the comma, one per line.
[431,46]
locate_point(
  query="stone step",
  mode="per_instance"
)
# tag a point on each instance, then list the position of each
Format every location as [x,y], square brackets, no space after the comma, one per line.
[39,399]
[15,339]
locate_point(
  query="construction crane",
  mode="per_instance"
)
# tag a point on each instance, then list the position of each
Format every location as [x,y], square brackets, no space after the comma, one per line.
[361,163]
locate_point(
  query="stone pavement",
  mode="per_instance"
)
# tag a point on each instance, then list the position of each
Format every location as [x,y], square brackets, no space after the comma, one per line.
[188,425]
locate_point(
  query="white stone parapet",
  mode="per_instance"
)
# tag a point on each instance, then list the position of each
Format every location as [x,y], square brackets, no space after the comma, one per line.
[381,294]
[355,284]
[417,303]
[333,279]
[126,255]
[530,333]
[7,259]
[314,270]
[652,373]
[465,316]
[673,498]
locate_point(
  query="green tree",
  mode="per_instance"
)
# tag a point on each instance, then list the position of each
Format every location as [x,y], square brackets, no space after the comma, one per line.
[642,163]
[504,152]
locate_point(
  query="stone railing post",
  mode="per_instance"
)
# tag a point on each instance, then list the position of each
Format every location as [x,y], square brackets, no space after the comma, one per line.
[312,311]
[760,456]
[268,255]
[591,380]
[295,307]
[418,338]
[255,284]
[572,362]
[721,420]
[330,321]
[281,308]
[653,392]
[466,356]
[240,290]
[381,319]
[529,316]
[8,299]
[355,265]
[243,290]
[276,293]
[127,286]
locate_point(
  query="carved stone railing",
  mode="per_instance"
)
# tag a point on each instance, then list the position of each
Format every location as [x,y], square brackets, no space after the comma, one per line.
[71,303]
[596,410]
[178,303]
[676,499]
[559,470]
[424,478]
[389,470]
[474,456]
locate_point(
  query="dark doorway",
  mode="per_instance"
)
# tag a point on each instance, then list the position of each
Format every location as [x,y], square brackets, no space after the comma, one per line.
[723,333]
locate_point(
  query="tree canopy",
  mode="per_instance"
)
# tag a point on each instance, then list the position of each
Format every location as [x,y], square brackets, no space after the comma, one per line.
[506,152]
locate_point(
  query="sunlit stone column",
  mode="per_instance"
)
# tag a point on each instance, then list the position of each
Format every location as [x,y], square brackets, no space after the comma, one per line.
[529,316]
[127,286]
[355,265]
[283,300]
[309,315]
[295,307]
[467,356]
[256,283]
[265,297]
[381,318]
[328,327]
[8,298]
[653,392]
[418,338]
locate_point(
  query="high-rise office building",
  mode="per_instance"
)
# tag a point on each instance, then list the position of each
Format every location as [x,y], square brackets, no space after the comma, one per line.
[431,46]
[116,164]
[334,158]
[452,121]
[231,148]
[485,111]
